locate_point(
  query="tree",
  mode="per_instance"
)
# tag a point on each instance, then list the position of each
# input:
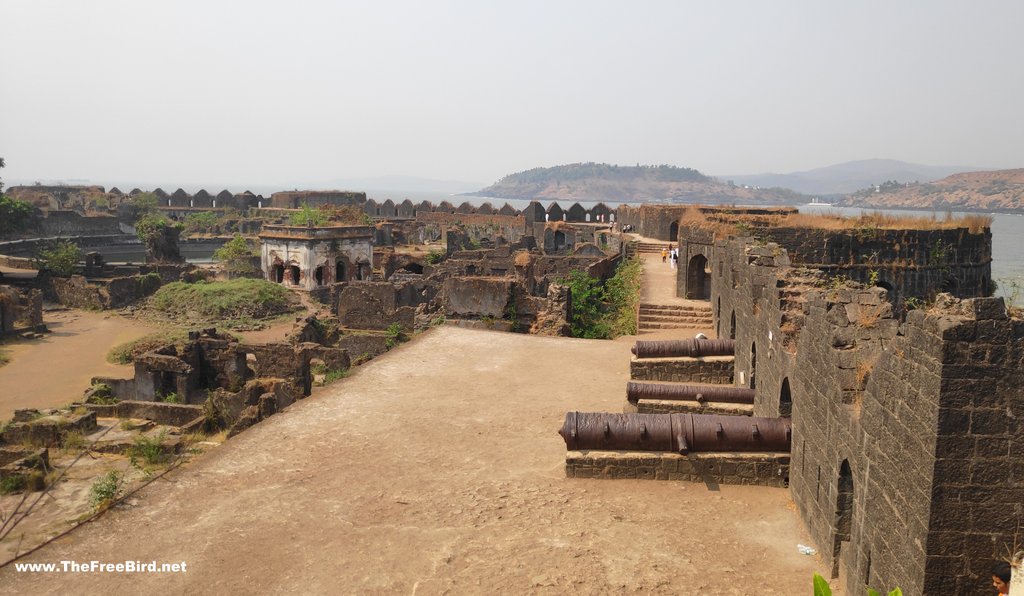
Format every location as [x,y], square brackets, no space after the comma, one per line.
[308,216]
[60,258]
[15,215]
[236,255]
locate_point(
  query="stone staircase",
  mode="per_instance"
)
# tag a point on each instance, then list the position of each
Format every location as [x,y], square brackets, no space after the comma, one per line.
[674,316]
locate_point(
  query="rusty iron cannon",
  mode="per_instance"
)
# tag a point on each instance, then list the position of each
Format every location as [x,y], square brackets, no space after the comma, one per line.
[693,348]
[676,433]
[636,391]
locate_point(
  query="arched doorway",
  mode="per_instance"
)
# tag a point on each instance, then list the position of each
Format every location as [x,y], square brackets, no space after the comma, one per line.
[785,399]
[753,365]
[844,513]
[318,275]
[698,280]
[294,274]
[559,240]
[673,231]
[339,271]
[278,273]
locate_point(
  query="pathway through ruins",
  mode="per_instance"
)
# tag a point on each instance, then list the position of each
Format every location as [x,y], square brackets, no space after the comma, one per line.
[56,370]
[660,309]
[436,468]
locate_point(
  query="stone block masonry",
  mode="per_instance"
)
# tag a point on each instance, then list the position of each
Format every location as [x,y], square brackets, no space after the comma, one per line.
[717,370]
[906,433]
[761,469]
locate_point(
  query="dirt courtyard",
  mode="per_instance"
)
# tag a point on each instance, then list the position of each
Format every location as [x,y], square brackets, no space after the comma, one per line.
[436,468]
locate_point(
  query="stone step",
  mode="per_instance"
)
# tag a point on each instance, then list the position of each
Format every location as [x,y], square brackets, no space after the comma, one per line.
[663,326]
[685,310]
[651,319]
[701,307]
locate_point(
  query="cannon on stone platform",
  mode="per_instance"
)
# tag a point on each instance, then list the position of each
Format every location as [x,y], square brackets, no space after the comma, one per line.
[693,348]
[676,433]
[678,391]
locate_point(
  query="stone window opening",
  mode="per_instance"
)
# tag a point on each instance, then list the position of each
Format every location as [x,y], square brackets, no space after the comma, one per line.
[318,275]
[844,513]
[753,364]
[732,326]
[785,399]
[559,240]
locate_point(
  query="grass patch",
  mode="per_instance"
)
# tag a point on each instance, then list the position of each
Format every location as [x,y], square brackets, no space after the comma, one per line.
[148,449]
[127,352]
[244,299]
[12,484]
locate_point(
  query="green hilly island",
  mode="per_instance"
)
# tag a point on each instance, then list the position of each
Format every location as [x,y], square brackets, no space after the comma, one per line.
[605,182]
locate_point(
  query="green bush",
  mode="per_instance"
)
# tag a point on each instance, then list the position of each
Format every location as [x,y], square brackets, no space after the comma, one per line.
[222,300]
[308,216]
[394,335]
[60,257]
[14,483]
[105,489]
[608,311]
[148,449]
[236,256]
[203,222]
[435,256]
[15,215]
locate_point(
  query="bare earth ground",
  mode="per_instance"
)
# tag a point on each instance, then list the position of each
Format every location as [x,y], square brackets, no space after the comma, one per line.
[436,468]
[55,370]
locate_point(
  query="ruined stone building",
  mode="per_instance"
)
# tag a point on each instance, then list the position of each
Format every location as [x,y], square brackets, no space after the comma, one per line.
[907,432]
[307,257]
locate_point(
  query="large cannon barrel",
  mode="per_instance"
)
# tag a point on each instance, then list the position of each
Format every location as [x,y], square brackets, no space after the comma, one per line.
[676,433]
[678,391]
[693,348]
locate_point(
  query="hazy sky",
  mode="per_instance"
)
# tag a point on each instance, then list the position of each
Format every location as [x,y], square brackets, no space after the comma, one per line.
[302,91]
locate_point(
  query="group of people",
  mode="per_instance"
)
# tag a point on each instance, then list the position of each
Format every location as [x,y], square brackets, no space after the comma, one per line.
[670,253]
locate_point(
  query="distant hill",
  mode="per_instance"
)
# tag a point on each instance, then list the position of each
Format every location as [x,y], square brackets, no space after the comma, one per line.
[604,182]
[996,190]
[845,178]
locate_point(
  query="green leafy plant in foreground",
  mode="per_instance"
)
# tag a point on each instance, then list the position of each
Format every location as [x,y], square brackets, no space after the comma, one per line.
[821,588]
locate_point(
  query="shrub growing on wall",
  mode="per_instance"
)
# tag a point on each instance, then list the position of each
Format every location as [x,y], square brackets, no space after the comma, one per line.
[604,311]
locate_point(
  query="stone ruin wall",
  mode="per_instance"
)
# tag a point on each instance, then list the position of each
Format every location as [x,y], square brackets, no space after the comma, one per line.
[908,263]
[913,430]
[434,225]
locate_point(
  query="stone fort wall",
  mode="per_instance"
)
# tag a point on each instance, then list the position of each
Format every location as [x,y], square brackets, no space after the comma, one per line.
[905,433]
[907,263]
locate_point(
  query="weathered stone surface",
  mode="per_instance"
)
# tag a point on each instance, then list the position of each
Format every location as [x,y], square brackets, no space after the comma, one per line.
[476,296]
